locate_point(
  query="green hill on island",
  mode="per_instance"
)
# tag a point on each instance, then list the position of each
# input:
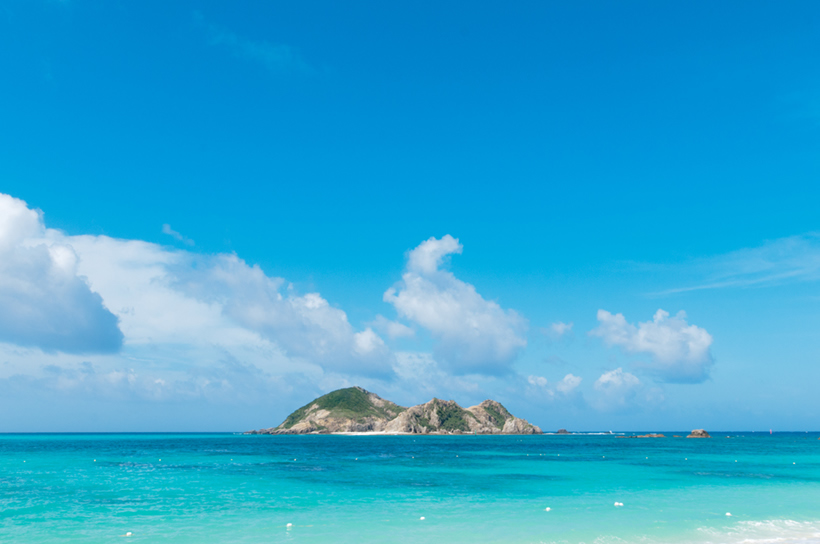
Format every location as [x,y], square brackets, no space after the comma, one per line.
[355,410]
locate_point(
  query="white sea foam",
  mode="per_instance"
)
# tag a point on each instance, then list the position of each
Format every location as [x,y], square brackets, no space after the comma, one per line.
[744,532]
[780,531]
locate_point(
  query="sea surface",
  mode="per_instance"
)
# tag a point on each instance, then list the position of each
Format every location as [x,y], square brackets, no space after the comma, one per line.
[360,489]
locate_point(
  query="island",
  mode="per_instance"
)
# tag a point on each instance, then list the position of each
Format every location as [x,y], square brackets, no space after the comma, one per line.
[355,410]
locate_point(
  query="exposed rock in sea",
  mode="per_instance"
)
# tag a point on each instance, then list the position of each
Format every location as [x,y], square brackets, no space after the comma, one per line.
[699,433]
[650,435]
[359,411]
[563,431]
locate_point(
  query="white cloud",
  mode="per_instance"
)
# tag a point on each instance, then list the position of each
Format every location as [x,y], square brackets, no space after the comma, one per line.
[784,260]
[539,381]
[565,387]
[166,229]
[620,391]
[617,390]
[305,326]
[420,378]
[568,384]
[393,329]
[44,303]
[430,254]
[680,352]
[616,380]
[558,330]
[53,286]
[473,335]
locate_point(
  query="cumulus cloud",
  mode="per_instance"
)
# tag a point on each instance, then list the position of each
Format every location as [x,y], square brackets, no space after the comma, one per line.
[52,289]
[181,297]
[306,326]
[568,384]
[44,303]
[616,380]
[617,389]
[473,335]
[420,373]
[680,352]
[393,329]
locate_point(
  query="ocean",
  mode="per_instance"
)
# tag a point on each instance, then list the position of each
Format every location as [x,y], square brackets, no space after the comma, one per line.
[409,489]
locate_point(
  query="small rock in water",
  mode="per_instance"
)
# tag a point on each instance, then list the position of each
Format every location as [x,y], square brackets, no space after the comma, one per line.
[698,433]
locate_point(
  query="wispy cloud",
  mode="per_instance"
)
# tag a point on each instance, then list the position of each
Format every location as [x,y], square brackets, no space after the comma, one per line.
[558,330]
[278,58]
[166,229]
[791,259]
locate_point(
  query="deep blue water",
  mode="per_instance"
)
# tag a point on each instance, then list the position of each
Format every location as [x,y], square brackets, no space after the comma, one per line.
[237,488]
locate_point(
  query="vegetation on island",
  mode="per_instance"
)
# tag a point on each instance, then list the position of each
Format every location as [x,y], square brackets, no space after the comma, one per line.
[350,403]
[495,416]
[452,418]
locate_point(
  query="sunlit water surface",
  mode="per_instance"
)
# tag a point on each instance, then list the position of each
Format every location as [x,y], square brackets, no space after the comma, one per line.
[470,489]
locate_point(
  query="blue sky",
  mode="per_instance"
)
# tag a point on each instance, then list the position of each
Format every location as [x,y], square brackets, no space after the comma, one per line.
[216,212]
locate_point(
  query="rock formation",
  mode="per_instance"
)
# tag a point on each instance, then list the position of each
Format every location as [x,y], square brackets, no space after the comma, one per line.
[699,433]
[356,410]
[563,431]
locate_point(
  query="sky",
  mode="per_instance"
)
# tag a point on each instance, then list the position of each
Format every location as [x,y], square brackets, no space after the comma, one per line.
[603,215]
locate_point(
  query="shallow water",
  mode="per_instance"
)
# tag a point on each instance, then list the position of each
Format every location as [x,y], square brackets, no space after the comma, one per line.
[237,488]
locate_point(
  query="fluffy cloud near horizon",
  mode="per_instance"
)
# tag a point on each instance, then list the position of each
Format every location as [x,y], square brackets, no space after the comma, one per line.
[565,389]
[473,335]
[44,302]
[617,390]
[568,384]
[53,286]
[680,352]
[305,326]
[142,322]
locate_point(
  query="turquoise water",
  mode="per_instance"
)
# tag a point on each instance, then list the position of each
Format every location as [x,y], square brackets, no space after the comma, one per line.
[476,489]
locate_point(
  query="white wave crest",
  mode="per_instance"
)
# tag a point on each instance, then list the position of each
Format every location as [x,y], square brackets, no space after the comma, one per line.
[779,531]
